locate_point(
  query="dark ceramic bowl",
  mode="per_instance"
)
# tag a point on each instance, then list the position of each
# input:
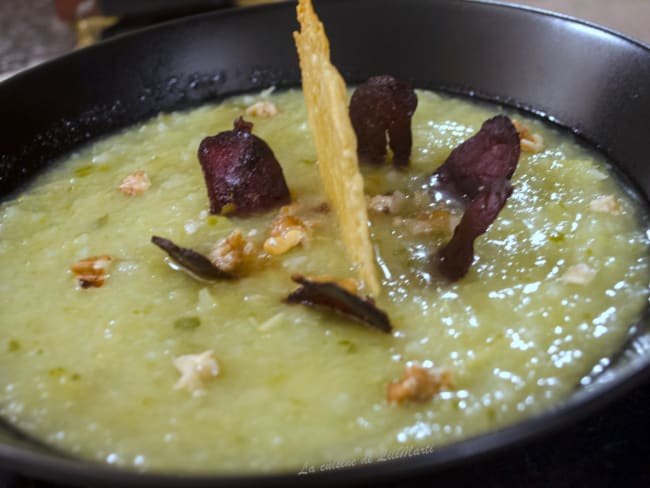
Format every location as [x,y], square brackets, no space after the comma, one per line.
[590,80]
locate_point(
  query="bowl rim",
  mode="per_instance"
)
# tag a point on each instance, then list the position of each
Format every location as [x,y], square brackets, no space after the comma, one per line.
[63,468]
[245,10]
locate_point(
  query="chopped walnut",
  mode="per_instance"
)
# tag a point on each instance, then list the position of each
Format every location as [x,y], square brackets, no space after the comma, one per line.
[195,369]
[579,274]
[421,198]
[294,208]
[92,272]
[262,109]
[291,209]
[388,204]
[606,204]
[530,142]
[232,252]
[287,232]
[418,384]
[348,284]
[435,221]
[135,184]
[276,246]
[285,223]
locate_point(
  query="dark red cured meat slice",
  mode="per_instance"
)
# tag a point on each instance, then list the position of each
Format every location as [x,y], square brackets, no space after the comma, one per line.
[455,259]
[490,156]
[240,169]
[480,170]
[382,107]
[192,262]
[331,296]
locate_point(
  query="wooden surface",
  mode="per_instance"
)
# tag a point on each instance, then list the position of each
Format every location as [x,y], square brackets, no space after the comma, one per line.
[631,17]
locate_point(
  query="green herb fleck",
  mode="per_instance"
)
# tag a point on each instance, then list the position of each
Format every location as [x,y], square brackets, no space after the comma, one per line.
[296,402]
[75,376]
[349,346]
[491,414]
[84,170]
[277,379]
[187,323]
[56,372]
[556,237]
[13,345]
[228,208]
[101,222]
[89,169]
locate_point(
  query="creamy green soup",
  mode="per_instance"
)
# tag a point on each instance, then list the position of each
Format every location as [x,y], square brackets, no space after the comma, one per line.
[91,372]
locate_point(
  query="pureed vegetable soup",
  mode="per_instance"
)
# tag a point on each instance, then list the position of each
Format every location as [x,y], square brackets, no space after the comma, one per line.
[557,280]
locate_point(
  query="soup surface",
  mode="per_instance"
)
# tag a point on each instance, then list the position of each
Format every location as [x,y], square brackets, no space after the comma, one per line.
[556,282]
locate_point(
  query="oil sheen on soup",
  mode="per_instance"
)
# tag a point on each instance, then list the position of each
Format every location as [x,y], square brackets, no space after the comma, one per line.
[557,280]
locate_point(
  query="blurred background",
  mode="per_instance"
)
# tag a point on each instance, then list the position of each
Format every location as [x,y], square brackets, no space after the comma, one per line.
[32,31]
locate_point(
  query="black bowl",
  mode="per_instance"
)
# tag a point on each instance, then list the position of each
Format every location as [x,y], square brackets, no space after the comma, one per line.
[590,80]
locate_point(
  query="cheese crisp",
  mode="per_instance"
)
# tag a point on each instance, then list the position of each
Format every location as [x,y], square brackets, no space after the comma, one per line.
[336,145]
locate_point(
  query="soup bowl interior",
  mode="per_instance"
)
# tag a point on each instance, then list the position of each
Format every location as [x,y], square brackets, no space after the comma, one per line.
[576,75]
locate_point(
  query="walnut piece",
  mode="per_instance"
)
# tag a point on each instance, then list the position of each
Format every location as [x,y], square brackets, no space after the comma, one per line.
[606,204]
[232,252]
[421,198]
[195,369]
[135,184]
[278,245]
[387,204]
[263,109]
[92,272]
[530,142]
[287,232]
[418,384]
[435,221]
[579,274]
